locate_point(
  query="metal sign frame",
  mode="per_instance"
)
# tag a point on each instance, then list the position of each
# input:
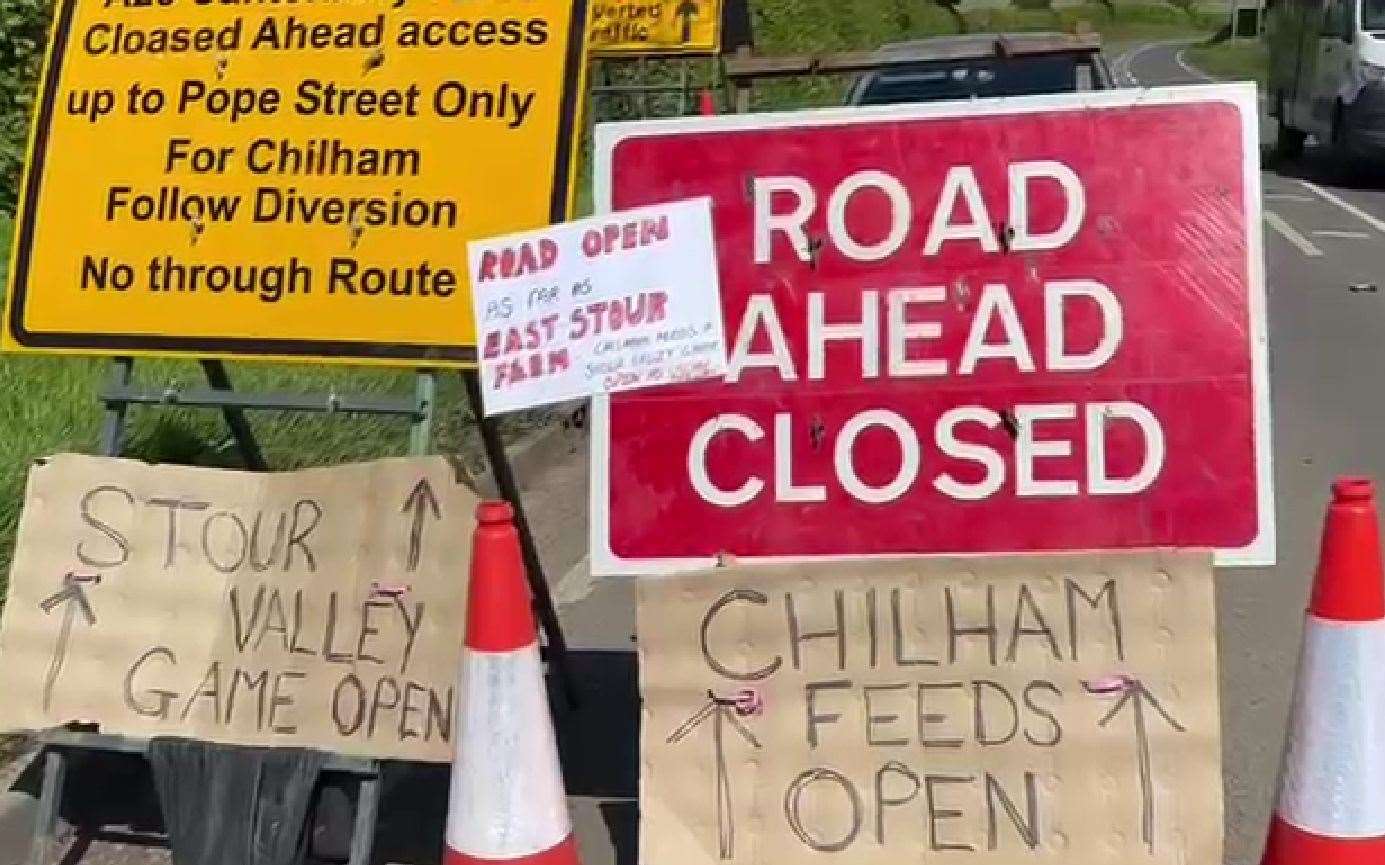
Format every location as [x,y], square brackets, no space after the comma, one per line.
[420,410]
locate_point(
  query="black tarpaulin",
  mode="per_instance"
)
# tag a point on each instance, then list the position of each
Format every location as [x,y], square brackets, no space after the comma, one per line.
[228,805]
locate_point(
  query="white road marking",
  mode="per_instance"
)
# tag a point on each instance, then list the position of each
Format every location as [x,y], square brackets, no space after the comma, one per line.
[1124,66]
[1126,61]
[1286,196]
[1342,235]
[1291,234]
[1189,68]
[1128,69]
[1118,73]
[1374,222]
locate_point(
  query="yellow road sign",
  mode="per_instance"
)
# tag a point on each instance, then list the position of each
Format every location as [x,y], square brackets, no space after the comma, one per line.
[225,178]
[656,27]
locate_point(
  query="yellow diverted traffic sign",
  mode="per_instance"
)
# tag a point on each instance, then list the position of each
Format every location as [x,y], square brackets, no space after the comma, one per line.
[292,181]
[655,27]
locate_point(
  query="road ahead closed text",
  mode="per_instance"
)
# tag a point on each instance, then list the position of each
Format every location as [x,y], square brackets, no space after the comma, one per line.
[958,335]
[287,181]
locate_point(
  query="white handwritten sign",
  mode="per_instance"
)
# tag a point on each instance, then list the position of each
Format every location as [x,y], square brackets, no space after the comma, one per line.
[320,608]
[994,711]
[600,305]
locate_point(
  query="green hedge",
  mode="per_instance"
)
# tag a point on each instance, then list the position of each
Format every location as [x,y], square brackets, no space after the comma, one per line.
[23,29]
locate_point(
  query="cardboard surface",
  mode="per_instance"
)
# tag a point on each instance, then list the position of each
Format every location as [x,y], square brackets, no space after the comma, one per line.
[889,735]
[287,180]
[239,607]
[604,304]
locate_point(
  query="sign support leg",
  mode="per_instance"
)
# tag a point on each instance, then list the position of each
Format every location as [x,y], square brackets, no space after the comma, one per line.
[684,87]
[113,425]
[49,804]
[643,78]
[367,808]
[119,394]
[421,432]
[509,490]
[742,85]
[244,435]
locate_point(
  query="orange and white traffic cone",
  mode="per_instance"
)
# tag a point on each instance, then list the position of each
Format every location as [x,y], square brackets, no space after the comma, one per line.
[1331,807]
[507,802]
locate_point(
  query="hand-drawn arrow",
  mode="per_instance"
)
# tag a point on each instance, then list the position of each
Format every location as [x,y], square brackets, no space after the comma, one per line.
[1134,693]
[420,501]
[722,712]
[76,599]
[687,11]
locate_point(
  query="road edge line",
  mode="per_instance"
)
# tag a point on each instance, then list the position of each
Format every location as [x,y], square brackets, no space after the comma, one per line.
[1291,234]
[1181,58]
[1373,221]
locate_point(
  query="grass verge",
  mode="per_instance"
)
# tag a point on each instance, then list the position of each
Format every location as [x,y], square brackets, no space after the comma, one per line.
[1242,60]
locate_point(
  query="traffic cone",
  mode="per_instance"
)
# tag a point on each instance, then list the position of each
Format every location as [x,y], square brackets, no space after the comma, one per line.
[707,104]
[507,802]
[1331,807]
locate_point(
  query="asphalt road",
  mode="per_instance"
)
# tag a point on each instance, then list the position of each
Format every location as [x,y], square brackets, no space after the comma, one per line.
[1325,256]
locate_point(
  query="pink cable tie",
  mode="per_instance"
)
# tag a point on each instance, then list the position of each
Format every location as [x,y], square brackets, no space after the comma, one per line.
[748,702]
[1108,686]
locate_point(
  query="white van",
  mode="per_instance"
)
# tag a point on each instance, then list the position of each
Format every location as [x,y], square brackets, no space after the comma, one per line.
[1327,74]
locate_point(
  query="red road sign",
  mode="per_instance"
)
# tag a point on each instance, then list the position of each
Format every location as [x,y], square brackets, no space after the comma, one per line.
[1019,325]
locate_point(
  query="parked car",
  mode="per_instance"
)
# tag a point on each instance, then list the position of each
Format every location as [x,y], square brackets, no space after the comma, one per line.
[981,65]
[1327,75]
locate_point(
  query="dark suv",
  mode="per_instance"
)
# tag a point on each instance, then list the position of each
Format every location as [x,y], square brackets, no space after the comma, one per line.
[983,65]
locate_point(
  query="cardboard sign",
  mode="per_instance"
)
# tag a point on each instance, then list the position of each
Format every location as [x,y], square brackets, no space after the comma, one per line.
[988,711]
[287,180]
[320,608]
[956,328]
[605,304]
[655,27]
